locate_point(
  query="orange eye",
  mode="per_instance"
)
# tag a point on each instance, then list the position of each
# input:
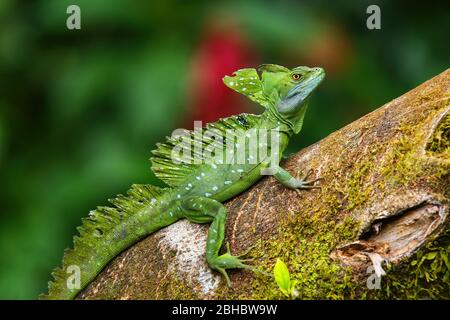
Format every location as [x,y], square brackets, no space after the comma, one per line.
[296,76]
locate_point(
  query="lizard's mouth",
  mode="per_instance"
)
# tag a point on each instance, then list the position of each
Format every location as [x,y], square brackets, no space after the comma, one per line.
[394,238]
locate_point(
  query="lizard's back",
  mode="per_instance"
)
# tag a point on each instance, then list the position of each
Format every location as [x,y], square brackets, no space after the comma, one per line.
[213,168]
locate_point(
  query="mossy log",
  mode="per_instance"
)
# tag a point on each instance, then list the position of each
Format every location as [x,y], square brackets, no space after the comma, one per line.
[385,195]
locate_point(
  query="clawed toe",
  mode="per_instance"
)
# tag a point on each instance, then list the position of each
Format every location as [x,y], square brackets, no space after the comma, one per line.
[312,181]
[247,251]
[227,261]
[307,184]
[225,275]
[306,175]
[247,259]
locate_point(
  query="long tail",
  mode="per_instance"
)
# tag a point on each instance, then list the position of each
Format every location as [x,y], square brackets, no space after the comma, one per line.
[105,233]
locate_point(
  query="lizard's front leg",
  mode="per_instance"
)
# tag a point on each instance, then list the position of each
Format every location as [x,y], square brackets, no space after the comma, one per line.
[287,180]
[205,210]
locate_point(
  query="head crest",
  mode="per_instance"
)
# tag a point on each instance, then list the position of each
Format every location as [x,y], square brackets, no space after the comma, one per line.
[272,68]
[248,83]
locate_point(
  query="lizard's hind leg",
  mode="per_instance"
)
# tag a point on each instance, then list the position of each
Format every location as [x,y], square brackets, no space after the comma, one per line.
[205,210]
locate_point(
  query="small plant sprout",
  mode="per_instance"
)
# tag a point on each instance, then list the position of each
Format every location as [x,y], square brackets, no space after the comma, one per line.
[283,279]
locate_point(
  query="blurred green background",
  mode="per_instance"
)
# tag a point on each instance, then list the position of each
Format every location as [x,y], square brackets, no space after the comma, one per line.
[80,110]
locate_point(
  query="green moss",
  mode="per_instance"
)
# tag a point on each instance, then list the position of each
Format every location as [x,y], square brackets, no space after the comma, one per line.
[172,287]
[406,163]
[357,190]
[425,276]
[440,142]
[304,244]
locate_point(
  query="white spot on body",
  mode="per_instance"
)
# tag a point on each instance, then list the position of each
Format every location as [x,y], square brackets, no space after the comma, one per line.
[207,194]
[213,166]
[240,170]
[227,182]
[215,188]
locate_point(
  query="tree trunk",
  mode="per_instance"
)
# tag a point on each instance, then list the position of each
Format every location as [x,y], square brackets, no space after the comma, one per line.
[385,194]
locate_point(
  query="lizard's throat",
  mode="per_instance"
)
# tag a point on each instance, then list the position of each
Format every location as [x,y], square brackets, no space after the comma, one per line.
[271,119]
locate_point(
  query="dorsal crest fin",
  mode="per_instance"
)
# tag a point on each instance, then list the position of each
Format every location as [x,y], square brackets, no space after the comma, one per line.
[100,222]
[247,82]
[175,170]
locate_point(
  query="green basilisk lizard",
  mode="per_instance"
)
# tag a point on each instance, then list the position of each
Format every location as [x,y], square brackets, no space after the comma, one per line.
[200,181]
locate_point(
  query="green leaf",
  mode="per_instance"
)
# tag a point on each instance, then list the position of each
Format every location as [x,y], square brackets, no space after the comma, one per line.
[431,255]
[282,277]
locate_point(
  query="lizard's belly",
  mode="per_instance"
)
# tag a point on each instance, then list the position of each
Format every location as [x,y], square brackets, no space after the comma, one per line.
[244,181]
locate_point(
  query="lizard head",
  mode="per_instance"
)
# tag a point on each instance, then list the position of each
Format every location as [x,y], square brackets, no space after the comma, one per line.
[284,92]
[288,91]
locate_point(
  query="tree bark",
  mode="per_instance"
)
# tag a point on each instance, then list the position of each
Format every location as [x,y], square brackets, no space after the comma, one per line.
[385,194]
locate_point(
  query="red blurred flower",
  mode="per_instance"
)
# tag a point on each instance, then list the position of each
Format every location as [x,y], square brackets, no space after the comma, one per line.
[222,50]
